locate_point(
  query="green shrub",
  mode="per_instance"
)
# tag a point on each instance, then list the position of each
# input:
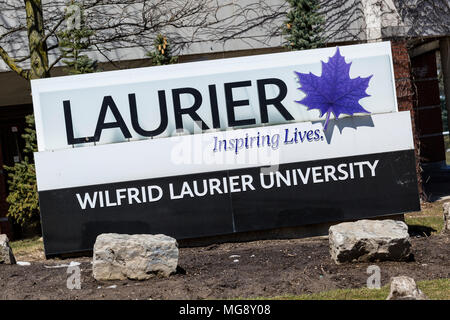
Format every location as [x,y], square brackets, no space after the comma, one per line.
[23,197]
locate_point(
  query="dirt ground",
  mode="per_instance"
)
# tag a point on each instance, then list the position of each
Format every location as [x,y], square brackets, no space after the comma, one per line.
[265,269]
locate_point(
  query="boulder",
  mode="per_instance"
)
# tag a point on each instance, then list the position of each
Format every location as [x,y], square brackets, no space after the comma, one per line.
[138,257]
[405,288]
[446,216]
[369,240]
[6,254]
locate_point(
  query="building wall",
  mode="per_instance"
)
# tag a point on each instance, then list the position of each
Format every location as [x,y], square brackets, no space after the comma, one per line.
[125,30]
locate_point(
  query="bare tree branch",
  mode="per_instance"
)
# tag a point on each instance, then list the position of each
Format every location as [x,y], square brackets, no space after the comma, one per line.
[125,29]
[14,67]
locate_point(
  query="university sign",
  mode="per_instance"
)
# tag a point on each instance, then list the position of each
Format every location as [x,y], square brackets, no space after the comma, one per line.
[223,146]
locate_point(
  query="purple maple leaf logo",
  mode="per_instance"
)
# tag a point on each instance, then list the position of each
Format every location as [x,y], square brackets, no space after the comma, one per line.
[334,91]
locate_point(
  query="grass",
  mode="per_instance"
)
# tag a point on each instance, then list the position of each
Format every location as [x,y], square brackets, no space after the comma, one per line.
[434,223]
[438,289]
[431,216]
[28,249]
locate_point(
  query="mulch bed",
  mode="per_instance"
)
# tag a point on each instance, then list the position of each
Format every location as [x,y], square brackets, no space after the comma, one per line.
[265,269]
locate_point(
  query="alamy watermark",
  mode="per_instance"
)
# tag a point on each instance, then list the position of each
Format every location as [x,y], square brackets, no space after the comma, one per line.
[74,16]
[374,280]
[74,278]
[227,148]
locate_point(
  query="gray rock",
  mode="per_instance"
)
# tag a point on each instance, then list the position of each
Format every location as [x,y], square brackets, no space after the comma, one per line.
[6,254]
[446,216]
[369,240]
[405,288]
[139,257]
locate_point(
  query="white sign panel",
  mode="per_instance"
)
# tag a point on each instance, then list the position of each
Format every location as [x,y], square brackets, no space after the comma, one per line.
[155,102]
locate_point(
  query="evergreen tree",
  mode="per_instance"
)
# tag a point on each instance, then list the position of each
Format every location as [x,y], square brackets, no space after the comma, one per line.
[162,54]
[72,43]
[23,197]
[304,25]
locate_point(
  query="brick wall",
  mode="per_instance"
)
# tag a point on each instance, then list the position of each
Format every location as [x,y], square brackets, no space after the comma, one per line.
[405,95]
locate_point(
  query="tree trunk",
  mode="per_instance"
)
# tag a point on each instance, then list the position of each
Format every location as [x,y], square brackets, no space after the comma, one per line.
[36,40]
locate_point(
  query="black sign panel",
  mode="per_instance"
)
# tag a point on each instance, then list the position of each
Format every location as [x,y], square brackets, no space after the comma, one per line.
[225,202]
